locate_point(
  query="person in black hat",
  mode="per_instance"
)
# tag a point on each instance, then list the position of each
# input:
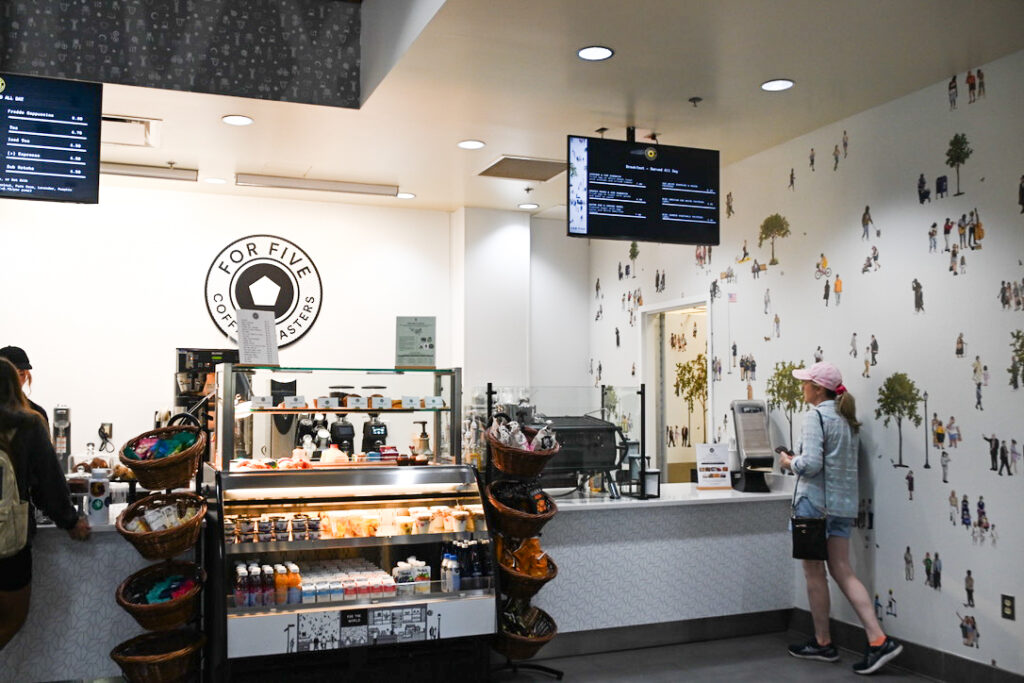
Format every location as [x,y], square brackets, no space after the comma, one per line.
[19,359]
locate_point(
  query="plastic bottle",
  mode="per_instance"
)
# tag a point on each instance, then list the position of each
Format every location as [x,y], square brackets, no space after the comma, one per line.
[99,497]
[454,575]
[268,590]
[241,587]
[280,584]
[255,586]
[294,584]
[476,569]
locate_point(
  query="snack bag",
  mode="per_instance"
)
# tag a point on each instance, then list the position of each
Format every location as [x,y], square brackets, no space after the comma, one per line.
[544,440]
[516,437]
[532,559]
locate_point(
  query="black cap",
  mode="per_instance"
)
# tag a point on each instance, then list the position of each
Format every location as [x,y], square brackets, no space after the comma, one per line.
[17,356]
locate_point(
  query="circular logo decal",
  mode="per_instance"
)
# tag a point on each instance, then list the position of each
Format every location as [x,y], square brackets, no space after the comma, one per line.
[3,84]
[269,273]
[651,153]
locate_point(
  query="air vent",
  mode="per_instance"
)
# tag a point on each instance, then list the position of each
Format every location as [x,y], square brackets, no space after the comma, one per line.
[133,131]
[524,168]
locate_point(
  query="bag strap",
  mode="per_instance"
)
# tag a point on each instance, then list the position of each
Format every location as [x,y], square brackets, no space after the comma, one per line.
[824,471]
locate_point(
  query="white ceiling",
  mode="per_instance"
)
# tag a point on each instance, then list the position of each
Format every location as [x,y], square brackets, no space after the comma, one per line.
[506,73]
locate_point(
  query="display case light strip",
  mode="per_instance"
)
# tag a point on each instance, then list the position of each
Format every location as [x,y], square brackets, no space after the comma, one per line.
[320,492]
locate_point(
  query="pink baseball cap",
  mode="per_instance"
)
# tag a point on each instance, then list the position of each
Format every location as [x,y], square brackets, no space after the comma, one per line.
[823,374]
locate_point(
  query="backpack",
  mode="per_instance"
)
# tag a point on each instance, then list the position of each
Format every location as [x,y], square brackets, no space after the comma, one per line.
[13,510]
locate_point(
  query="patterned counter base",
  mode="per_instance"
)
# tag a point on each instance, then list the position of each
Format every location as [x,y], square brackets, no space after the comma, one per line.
[661,564]
[74,621]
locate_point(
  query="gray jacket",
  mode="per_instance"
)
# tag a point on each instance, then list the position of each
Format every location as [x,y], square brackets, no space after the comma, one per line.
[836,449]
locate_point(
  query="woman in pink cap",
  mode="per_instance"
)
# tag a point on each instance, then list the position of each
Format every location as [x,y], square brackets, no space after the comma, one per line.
[829,452]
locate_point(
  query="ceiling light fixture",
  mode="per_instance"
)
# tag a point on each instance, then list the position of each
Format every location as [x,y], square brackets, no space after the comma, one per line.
[471,144]
[283,182]
[158,172]
[528,205]
[405,195]
[595,53]
[214,181]
[777,84]
[237,119]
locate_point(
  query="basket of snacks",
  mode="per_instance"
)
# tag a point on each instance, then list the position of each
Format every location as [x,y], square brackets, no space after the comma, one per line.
[520,451]
[524,568]
[160,657]
[162,596]
[524,630]
[165,458]
[522,507]
[163,525]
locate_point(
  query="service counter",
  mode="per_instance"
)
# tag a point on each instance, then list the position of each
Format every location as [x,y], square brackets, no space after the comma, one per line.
[74,621]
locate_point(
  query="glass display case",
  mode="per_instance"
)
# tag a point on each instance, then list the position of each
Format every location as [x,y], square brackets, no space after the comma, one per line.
[349,554]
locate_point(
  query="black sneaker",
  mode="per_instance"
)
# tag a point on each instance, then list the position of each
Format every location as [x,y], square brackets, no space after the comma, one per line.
[877,657]
[811,650]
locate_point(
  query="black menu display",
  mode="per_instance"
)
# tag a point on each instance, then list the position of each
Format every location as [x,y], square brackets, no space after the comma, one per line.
[645,192]
[50,139]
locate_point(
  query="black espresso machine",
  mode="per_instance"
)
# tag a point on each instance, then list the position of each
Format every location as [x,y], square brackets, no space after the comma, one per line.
[756,457]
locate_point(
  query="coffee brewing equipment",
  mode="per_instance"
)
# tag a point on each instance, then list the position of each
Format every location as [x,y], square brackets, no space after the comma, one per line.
[756,457]
[62,434]
[194,379]
[421,443]
[375,434]
[343,434]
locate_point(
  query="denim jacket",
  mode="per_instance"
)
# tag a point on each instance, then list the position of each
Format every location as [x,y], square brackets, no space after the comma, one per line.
[840,462]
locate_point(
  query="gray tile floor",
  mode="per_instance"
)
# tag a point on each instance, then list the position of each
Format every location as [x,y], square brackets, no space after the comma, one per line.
[754,658]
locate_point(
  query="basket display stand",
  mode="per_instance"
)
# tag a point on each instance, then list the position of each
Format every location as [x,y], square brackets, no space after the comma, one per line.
[513,651]
[173,665]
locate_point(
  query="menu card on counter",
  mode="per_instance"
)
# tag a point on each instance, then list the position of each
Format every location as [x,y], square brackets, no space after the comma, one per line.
[713,466]
[257,337]
[414,342]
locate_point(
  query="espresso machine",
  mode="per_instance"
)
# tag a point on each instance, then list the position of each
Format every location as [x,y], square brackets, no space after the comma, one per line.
[343,434]
[194,378]
[756,457]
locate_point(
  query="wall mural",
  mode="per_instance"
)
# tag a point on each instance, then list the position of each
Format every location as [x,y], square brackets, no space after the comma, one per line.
[969,457]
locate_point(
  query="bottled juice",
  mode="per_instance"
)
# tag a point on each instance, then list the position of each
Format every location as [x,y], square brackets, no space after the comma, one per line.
[255,587]
[241,587]
[280,584]
[268,590]
[294,584]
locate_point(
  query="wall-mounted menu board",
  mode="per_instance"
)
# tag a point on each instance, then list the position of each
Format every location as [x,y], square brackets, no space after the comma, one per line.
[50,139]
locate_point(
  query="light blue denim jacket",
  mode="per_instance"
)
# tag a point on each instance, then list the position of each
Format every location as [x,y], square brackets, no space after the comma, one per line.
[840,462]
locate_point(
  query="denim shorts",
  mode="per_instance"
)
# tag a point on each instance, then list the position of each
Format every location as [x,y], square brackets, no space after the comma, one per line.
[834,526]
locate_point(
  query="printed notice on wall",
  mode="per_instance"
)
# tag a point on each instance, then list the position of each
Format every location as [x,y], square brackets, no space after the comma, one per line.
[257,339]
[414,342]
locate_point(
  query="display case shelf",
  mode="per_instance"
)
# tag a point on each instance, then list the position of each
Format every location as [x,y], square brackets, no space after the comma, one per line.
[396,600]
[342,411]
[367,542]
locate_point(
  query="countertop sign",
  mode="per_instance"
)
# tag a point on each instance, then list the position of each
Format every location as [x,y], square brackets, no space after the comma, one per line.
[264,271]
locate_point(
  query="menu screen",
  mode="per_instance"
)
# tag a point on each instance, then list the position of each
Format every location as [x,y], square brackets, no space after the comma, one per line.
[50,139]
[636,191]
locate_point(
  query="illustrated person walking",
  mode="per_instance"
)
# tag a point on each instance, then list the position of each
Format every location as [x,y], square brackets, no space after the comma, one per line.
[927,569]
[937,572]
[837,288]
[908,565]
[829,451]
[866,222]
[969,588]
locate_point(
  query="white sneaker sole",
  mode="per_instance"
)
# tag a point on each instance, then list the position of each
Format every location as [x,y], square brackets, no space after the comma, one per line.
[818,658]
[882,661]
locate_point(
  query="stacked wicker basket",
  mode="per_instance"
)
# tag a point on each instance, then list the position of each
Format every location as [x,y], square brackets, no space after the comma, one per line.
[514,525]
[171,652]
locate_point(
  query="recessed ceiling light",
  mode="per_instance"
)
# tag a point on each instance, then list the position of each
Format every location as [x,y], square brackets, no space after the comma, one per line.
[215,181]
[237,120]
[777,84]
[529,206]
[595,53]
[472,144]
[405,195]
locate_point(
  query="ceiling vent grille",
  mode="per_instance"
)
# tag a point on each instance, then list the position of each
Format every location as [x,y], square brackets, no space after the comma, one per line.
[524,168]
[132,131]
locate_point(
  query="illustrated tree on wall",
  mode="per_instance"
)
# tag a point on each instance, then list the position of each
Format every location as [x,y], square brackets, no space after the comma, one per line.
[611,401]
[897,399]
[784,392]
[772,228]
[634,251]
[692,385]
[957,155]
[1016,369]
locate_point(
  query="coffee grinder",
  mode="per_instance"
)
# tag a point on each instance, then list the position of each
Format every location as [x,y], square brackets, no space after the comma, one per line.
[375,434]
[343,434]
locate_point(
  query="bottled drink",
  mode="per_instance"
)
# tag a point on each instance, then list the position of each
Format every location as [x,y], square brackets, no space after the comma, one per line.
[294,584]
[241,587]
[280,585]
[255,583]
[454,576]
[268,590]
[99,497]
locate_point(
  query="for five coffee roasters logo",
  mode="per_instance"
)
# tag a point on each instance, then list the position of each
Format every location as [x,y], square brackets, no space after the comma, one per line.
[265,271]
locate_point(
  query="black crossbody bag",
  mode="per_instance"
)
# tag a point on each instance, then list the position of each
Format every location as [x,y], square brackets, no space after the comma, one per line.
[809,539]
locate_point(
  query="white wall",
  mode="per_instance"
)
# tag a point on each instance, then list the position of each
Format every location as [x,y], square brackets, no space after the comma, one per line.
[889,146]
[100,296]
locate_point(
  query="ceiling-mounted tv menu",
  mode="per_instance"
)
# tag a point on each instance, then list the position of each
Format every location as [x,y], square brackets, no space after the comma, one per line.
[50,139]
[644,192]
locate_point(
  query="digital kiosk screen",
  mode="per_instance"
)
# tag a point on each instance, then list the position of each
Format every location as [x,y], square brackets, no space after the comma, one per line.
[645,192]
[50,139]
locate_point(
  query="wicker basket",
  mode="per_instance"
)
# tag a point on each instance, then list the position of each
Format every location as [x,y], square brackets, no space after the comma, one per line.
[518,585]
[520,647]
[159,657]
[162,545]
[174,470]
[163,616]
[517,461]
[516,524]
